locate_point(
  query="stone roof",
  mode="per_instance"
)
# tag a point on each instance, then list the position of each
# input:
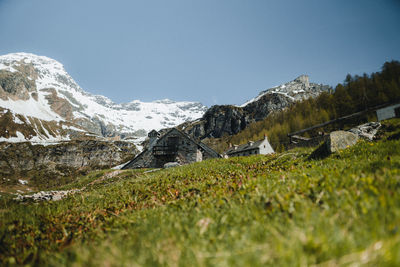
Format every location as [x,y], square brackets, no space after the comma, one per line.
[153,133]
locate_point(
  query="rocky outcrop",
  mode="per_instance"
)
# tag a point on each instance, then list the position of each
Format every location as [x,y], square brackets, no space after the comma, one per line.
[60,106]
[268,103]
[367,130]
[46,195]
[298,89]
[171,165]
[219,121]
[64,159]
[229,119]
[15,85]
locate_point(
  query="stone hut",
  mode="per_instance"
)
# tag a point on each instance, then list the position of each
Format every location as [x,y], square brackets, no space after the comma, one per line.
[251,148]
[173,146]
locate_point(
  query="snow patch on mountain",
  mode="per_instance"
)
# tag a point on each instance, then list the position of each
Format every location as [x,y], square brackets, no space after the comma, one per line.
[35,140]
[38,109]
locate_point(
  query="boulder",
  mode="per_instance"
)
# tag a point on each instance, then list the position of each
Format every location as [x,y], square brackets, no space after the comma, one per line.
[171,164]
[367,130]
[46,195]
[340,140]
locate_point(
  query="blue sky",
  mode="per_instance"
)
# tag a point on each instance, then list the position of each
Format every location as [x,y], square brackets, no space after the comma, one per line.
[212,51]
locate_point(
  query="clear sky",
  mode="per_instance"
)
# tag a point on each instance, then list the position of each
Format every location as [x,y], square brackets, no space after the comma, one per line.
[212,51]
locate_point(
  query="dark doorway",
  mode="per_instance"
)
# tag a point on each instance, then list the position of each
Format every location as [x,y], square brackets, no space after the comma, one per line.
[397,112]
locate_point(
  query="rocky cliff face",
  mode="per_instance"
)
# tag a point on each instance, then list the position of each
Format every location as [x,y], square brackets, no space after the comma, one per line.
[218,121]
[222,120]
[266,104]
[26,161]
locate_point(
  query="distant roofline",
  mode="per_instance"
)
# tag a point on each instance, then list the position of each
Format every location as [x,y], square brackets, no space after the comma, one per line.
[245,147]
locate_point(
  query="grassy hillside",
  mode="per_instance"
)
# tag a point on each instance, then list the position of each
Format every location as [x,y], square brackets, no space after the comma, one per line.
[283,209]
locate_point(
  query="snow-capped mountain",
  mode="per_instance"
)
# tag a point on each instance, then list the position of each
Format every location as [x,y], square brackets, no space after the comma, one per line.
[298,89]
[39,87]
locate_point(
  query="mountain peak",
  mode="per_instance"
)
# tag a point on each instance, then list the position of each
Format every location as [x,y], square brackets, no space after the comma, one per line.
[303,79]
[297,89]
[22,57]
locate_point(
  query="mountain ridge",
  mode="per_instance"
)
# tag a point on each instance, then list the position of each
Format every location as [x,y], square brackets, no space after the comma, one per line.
[222,120]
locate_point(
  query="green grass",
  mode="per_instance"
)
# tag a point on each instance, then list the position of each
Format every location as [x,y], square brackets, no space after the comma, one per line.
[282,209]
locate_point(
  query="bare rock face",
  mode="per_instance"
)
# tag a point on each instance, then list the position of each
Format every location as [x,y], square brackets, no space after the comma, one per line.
[219,121]
[339,140]
[58,104]
[266,104]
[15,85]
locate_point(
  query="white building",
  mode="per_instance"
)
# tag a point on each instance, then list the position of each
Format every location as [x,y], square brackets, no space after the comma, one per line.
[251,148]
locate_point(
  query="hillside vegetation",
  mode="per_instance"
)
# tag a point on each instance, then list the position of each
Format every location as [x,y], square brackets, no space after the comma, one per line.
[282,209]
[357,93]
